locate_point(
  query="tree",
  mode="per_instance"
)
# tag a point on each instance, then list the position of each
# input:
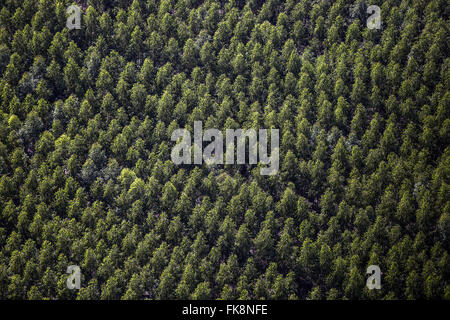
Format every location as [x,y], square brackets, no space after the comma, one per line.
[355,284]
[202,292]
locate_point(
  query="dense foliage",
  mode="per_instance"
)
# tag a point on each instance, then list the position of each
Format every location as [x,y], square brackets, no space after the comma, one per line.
[86,118]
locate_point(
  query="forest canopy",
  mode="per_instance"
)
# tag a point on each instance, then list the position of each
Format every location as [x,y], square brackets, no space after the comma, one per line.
[86,177]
